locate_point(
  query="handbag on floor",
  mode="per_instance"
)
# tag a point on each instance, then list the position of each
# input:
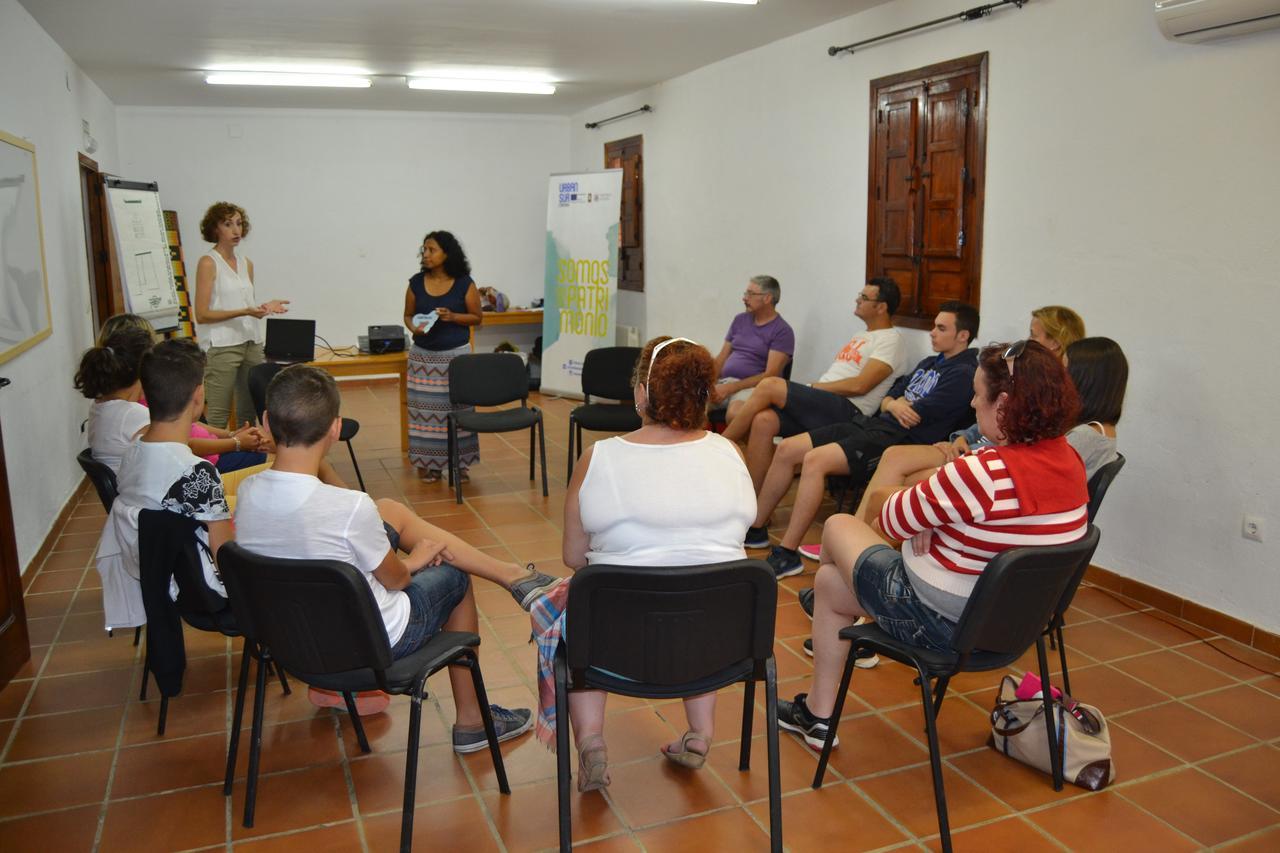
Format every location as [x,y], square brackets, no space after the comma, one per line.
[1084,741]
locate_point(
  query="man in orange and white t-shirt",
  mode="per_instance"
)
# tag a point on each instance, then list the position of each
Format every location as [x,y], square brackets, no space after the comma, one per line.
[855,383]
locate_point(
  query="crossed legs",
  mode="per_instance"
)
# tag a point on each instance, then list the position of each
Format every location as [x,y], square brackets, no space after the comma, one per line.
[412,528]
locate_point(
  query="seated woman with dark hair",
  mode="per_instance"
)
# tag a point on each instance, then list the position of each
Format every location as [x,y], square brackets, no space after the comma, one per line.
[668,494]
[1028,488]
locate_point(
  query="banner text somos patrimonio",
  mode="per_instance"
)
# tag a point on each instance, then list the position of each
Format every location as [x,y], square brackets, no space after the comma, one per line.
[582,295]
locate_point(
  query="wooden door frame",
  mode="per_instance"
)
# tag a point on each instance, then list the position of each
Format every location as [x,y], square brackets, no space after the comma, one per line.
[978,62]
[15,641]
[638,141]
[106,296]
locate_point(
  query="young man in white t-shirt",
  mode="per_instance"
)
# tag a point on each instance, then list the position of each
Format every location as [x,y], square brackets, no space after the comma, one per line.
[854,383]
[288,512]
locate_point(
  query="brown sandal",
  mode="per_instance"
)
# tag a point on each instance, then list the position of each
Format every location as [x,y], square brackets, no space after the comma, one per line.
[593,764]
[687,755]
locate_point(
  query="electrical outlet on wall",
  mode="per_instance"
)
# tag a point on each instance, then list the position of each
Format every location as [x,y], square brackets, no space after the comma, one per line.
[1252,528]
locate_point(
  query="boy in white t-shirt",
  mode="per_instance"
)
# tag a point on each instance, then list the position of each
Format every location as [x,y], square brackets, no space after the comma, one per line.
[854,384]
[288,512]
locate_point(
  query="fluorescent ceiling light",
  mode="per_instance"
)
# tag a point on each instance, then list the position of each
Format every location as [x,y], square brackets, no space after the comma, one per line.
[463,84]
[739,2]
[267,78]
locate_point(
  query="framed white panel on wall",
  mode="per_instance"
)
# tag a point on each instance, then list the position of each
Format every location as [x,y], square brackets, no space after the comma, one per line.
[24,286]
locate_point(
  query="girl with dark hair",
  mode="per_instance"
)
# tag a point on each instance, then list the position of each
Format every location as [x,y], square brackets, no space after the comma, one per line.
[1100,372]
[108,375]
[668,494]
[1027,488]
[440,306]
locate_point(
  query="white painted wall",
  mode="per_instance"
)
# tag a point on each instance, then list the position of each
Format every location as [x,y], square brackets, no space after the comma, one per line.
[1129,177]
[43,97]
[339,201]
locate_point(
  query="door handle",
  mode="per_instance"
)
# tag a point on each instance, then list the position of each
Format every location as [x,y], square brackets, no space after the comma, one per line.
[3,382]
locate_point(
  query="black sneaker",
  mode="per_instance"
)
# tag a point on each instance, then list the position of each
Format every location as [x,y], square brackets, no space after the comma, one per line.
[784,562]
[806,602]
[526,590]
[794,716]
[867,659]
[757,537]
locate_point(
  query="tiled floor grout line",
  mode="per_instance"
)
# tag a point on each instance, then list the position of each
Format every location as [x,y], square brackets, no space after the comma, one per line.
[115,760]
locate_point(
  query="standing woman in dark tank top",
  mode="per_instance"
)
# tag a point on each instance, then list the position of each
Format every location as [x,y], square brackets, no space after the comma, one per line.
[443,287]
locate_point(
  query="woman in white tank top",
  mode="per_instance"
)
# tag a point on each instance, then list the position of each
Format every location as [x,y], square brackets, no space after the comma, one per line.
[227,315]
[669,493]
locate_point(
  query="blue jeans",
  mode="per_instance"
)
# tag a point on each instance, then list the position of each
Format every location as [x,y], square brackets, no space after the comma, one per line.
[880,581]
[433,594]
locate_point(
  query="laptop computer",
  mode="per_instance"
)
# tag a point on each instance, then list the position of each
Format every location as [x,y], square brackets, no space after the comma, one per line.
[290,341]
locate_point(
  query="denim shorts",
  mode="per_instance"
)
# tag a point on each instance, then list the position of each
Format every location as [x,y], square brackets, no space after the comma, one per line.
[433,594]
[884,590]
[809,408]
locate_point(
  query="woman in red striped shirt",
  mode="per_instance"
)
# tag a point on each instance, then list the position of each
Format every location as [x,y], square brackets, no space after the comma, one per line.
[1027,489]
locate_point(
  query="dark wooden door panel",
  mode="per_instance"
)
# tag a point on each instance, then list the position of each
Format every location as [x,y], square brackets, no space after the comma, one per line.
[627,155]
[944,169]
[15,645]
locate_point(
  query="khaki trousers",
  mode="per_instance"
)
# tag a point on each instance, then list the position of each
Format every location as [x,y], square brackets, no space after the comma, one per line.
[226,384]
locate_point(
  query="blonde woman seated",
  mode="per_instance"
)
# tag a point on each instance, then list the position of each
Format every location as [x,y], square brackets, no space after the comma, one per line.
[668,494]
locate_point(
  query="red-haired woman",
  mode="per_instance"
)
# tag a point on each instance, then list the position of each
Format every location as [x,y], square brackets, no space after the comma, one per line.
[668,494]
[1026,489]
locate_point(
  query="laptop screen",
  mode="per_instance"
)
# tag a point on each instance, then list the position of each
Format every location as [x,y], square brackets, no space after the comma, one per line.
[290,340]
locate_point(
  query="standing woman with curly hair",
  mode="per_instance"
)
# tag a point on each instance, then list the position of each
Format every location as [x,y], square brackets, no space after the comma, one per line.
[443,288]
[228,315]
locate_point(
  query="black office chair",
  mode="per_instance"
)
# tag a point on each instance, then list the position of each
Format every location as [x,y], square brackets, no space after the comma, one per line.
[492,379]
[669,633]
[102,477]
[168,548]
[606,372]
[718,415]
[260,377]
[318,620]
[1015,597]
[1100,482]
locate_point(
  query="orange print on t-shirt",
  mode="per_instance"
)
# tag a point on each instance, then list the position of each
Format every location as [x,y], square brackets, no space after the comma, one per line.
[853,351]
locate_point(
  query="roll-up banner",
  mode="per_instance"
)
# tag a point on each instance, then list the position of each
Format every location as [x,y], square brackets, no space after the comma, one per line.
[581,277]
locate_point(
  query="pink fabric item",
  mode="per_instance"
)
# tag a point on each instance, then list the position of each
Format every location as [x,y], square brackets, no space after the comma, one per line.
[199,431]
[368,702]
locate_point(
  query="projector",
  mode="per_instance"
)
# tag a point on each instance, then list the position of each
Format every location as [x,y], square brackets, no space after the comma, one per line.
[383,339]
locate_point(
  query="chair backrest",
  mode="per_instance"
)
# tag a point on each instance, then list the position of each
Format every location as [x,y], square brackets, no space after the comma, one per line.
[670,625]
[260,376]
[606,372]
[102,477]
[786,370]
[1018,594]
[316,616]
[1100,482]
[487,379]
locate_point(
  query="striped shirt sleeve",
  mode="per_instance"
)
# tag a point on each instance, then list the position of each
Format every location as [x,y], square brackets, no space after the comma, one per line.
[962,492]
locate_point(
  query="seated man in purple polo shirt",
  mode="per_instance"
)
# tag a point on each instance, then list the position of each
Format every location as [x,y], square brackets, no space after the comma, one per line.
[759,344]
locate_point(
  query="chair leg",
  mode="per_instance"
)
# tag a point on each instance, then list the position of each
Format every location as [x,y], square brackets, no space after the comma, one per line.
[579,441]
[771,738]
[569,475]
[472,662]
[137,635]
[748,709]
[355,464]
[939,692]
[284,682]
[935,760]
[411,769]
[562,752]
[142,694]
[455,460]
[237,720]
[532,430]
[835,716]
[164,713]
[1046,688]
[350,699]
[1062,656]
[255,739]
[542,455]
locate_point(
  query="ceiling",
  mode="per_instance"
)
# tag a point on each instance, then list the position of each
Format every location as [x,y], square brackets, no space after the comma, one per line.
[153,52]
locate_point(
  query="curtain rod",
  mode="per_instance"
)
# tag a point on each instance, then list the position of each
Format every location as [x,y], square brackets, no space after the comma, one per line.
[592,125]
[967,15]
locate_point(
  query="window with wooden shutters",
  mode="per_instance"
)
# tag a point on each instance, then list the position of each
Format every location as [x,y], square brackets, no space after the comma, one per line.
[925,189]
[626,154]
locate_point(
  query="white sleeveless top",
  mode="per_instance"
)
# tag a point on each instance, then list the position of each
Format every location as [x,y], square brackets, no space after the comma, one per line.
[232,290]
[666,504]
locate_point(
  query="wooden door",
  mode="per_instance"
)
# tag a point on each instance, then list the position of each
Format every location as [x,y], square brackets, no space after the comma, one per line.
[627,155]
[106,294]
[15,645]
[924,207]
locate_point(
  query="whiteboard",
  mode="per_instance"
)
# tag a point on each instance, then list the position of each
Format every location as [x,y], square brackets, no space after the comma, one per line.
[24,289]
[142,247]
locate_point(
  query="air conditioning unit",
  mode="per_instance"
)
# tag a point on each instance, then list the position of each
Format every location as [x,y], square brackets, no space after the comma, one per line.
[1205,20]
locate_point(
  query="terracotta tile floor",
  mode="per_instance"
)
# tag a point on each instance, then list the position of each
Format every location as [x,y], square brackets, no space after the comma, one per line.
[1197,734]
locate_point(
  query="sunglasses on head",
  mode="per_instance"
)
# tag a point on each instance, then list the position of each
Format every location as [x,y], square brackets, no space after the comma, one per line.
[1012,352]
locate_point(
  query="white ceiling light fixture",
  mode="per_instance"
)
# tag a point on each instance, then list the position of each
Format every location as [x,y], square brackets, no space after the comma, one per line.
[482,84]
[738,2]
[274,78]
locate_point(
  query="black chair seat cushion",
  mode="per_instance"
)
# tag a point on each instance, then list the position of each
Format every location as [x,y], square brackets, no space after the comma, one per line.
[350,427]
[874,637]
[503,420]
[599,680]
[403,674]
[223,622]
[607,417]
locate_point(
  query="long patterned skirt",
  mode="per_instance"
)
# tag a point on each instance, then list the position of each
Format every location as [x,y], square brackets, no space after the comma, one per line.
[428,390]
